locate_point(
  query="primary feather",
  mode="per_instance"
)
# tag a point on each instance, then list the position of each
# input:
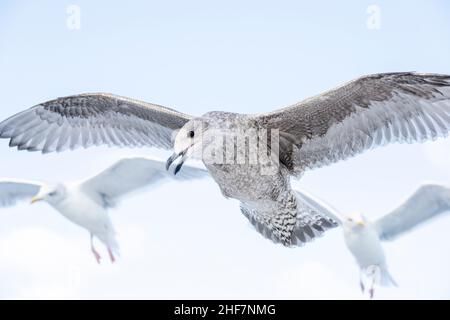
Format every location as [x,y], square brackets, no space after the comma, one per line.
[92,119]
[363,114]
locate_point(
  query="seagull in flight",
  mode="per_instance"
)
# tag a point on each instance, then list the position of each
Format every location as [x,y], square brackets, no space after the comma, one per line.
[363,237]
[86,202]
[252,157]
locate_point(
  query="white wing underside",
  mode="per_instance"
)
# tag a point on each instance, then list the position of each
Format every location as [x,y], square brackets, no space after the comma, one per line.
[130,174]
[427,203]
[14,190]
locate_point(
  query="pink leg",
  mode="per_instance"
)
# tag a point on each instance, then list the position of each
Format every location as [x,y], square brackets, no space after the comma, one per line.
[361,282]
[96,254]
[111,256]
[372,291]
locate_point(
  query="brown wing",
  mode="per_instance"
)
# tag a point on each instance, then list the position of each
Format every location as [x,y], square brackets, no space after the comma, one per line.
[365,113]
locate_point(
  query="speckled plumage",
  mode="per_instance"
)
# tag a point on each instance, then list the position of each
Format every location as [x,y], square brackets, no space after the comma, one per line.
[266,197]
[92,119]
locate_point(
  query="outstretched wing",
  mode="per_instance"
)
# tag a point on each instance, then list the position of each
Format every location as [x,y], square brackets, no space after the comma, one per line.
[92,119]
[312,220]
[318,205]
[13,190]
[426,203]
[368,112]
[130,174]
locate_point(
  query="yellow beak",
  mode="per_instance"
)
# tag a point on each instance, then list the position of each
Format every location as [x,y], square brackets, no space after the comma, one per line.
[361,223]
[35,199]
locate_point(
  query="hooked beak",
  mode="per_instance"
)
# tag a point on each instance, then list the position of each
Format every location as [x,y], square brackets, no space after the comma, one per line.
[35,199]
[174,157]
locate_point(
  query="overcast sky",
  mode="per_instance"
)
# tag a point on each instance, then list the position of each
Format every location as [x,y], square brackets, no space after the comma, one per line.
[184,240]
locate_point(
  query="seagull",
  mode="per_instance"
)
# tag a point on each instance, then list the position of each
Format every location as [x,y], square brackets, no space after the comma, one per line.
[363,237]
[86,202]
[252,157]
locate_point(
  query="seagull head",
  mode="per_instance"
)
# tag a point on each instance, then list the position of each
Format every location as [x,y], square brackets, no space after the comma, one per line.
[355,220]
[189,142]
[203,138]
[49,193]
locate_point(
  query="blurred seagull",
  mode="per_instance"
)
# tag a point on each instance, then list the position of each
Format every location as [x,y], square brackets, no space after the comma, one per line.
[368,112]
[86,202]
[363,237]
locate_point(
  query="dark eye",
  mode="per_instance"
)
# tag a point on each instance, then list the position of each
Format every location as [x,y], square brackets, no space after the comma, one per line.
[191,134]
[52,194]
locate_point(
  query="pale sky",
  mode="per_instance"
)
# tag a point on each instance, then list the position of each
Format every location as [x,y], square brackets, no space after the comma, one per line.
[185,240]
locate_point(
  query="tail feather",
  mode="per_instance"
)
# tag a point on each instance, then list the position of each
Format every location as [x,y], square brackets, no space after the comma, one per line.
[386,279]
[376,274]
[310,223]
[113,245]
[109,240]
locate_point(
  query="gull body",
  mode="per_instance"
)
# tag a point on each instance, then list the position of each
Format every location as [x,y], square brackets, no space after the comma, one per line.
[364,243]
[263,186]
[85,209]
[241,180]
